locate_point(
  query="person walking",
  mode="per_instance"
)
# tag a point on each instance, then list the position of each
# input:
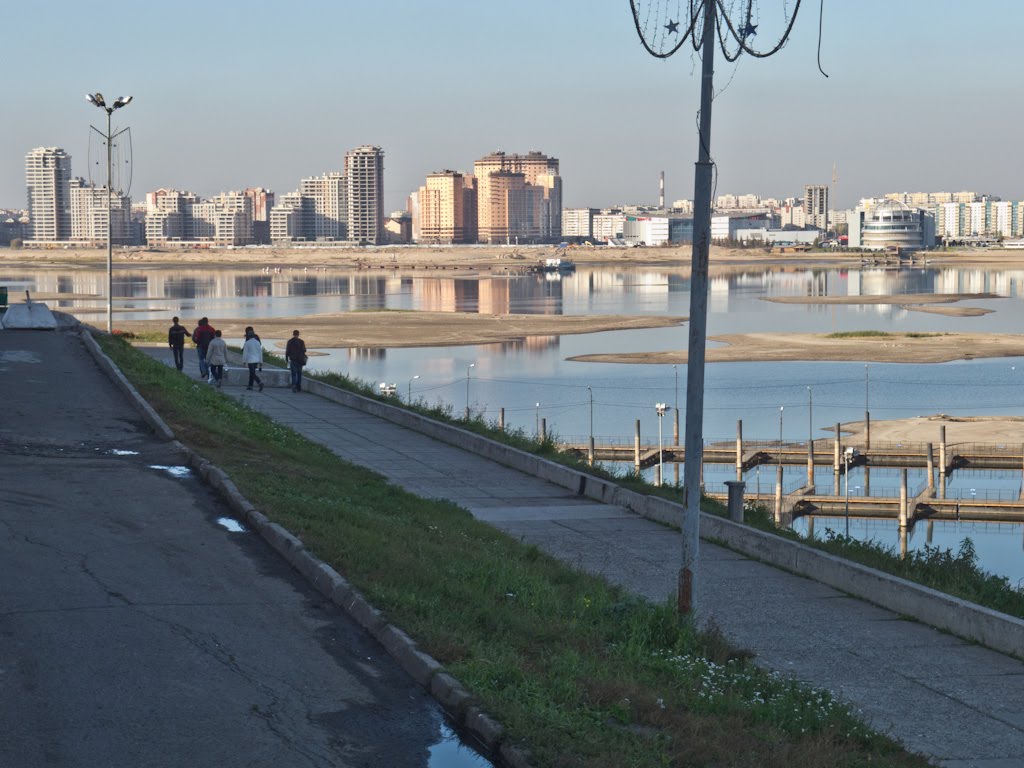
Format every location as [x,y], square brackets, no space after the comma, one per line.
[295,354]
[252,356]
[217,358]
[176,341]
[201,337]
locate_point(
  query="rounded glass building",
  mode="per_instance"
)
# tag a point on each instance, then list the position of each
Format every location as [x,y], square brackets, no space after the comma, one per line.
[893,225]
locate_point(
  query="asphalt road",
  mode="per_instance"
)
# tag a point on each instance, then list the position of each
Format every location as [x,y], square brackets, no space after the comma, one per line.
[137,630]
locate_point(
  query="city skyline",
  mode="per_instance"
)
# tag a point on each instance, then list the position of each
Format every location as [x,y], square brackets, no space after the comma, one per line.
[911,115]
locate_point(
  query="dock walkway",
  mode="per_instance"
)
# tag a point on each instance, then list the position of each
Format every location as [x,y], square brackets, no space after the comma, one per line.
[957,702]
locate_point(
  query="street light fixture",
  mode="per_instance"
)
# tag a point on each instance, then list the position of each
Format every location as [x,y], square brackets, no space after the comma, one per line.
[847,456]
[469,367]
[660,408]
[96,99]
[408,398]
[590,448]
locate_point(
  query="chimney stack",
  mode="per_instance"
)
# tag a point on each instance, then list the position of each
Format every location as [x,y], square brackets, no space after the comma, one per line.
[661,192]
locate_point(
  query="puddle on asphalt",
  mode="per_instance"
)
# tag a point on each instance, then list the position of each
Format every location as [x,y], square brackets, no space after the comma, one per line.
[174,471]
[18,356]
[120,452]
[232,525]
[449,752]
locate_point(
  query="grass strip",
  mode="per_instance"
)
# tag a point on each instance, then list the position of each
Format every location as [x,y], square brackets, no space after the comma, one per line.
[955,573]
[577,670]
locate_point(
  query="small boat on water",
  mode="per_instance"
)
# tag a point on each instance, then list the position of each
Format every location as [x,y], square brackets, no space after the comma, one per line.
[560,265]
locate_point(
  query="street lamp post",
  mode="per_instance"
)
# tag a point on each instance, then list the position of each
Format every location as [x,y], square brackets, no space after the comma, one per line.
[469,367]
[590,448]
[96,99]
[408,398]
[847,455]
[675,419]
[810,437]
[660,408]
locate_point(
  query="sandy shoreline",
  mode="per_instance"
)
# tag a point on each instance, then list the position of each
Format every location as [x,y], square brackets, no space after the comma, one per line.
[420,329]
[476,258]
[999,430]
[815,347]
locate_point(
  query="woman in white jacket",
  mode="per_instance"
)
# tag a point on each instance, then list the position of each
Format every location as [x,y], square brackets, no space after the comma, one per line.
[252,355]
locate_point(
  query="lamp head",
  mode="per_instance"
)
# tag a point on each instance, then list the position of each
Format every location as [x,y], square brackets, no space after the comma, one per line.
[122,101]
[97,99]
[90,98]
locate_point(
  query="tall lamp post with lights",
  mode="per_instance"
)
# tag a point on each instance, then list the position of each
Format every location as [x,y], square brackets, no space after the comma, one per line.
[96,99]
[660,409]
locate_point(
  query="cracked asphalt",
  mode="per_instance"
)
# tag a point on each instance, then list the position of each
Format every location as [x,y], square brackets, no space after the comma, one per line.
[136,630]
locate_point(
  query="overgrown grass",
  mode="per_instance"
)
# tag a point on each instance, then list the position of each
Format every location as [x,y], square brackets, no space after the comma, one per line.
[955,573]
[575,669]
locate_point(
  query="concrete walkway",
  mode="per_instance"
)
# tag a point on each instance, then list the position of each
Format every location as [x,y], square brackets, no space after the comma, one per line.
[959,703]
[140,627]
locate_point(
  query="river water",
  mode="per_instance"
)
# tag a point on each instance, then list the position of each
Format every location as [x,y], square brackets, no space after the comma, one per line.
[532,379]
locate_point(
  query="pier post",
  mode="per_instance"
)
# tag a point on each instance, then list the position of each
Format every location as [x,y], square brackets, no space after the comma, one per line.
[501,420]
[867,479]
[739,449]
[931,471]
[867,431]
[636,448]
[657,475]
[931,527]
[903,543]
[544,430]
[590,452]
[675,427]
[942,451]
[835,460]
[778,495]
[810,527]
[903,498]
[735,499]
[810,457]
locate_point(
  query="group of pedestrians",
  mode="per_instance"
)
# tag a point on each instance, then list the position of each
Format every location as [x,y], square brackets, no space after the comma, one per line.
[212,351]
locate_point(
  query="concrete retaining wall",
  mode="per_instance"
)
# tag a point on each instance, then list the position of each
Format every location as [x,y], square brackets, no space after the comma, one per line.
[960,617]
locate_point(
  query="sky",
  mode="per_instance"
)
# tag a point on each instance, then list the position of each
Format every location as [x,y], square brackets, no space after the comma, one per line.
[922,95]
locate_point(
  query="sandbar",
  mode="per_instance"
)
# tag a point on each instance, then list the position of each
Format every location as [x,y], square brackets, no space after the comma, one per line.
[420,329]
[949,311]
[815,347]
[483,258]
[1000,430]
[891,298]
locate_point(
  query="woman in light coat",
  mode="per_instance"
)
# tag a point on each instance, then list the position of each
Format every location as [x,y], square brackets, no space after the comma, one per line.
[217,358]
[252,355]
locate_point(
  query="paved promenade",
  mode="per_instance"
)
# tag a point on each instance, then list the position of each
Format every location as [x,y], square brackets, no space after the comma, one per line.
[138,629]
[957,702]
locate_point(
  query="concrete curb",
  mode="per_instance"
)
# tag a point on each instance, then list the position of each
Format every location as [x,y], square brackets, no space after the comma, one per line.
[962,618]
[159,425]
[423,668]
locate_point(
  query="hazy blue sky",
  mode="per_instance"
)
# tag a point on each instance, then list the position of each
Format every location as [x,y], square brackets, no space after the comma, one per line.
[922,95]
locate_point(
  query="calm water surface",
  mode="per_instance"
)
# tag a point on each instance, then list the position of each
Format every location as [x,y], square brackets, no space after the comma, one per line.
[532,380]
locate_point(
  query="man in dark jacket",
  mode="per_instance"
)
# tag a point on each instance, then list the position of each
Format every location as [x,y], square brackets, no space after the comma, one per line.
[295,354]
[201,337]
[176,341]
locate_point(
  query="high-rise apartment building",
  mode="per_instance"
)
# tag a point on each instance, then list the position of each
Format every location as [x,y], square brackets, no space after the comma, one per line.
[291,219]
[446,206]
[88,204]
[262,203]
[519,198]
[225,219]
[169,216]
[364,174]
[578,222]
[816,205]
[329,199]
[48,177]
